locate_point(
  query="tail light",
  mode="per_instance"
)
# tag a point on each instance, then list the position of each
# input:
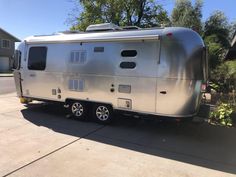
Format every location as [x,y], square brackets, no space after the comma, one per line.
[169,34]
[203,87]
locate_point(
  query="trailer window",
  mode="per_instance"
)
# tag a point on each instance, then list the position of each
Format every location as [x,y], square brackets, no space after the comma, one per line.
[78,57]
[127,65]
[129,53]
[98,49]
[76,85]
[37,58]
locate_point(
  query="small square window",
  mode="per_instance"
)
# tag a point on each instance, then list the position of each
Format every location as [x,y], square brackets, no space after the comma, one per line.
[76,85]
[78,57]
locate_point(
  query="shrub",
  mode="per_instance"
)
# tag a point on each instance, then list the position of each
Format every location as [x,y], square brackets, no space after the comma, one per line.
[223,77]
[221,115]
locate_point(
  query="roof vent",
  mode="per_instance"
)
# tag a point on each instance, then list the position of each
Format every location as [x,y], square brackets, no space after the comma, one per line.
[103,27]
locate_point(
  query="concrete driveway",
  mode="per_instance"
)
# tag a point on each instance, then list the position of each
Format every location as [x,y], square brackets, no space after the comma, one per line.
[7,84]
[40,141]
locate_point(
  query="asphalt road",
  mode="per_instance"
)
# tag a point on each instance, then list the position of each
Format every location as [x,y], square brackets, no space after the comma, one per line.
[38,140]
[7,85]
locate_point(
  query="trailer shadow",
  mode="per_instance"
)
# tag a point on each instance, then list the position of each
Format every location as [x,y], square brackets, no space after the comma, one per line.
[197,144]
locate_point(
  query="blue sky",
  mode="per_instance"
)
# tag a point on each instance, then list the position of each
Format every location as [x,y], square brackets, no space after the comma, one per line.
[24,18]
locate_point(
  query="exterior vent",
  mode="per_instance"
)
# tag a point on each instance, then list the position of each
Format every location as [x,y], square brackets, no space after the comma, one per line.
[103,27]
[124,103]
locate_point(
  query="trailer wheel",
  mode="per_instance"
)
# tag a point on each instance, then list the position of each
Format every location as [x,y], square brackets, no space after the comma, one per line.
[102,113]
[78,110]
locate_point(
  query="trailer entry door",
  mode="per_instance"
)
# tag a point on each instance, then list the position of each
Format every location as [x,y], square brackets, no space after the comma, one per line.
[34,83]
[137,71]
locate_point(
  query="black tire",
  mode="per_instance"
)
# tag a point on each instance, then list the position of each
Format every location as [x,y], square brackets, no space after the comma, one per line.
[102,113]
[78,110]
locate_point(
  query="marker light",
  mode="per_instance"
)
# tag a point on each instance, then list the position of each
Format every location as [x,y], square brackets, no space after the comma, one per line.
[169,34]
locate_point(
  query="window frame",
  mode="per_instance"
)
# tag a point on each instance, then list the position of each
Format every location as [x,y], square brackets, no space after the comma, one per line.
[76,52]
[127,51]
[135,65]
[9,43]
[28,57]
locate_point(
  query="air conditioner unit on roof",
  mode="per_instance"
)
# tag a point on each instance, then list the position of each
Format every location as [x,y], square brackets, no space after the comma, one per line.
[103,27]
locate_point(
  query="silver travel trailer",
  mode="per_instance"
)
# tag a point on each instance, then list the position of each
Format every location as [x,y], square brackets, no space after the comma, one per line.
[147,71]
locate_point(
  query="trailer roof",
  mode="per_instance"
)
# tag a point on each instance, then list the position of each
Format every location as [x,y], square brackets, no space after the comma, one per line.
[111,36]
[123,35]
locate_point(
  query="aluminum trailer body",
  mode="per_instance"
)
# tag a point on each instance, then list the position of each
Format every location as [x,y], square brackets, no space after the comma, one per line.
[148,71]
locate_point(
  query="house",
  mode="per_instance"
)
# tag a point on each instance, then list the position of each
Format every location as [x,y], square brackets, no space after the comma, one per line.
[7,48]
[231,55]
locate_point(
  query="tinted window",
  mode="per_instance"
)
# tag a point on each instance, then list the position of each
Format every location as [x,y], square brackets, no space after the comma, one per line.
[37,58]
[127,65]
[128,53]
[98,49]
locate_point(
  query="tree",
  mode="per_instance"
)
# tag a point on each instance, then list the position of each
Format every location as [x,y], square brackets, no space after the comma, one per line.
[216,51]
[232,30]
[141,13]
[217,37]
[217,24]
[187,15]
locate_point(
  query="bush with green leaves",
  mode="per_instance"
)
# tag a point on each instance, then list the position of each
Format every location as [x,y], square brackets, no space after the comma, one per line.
[224,77]
[221,115]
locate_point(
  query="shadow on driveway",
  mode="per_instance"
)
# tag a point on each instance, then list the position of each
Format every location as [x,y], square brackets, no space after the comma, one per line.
[197,144]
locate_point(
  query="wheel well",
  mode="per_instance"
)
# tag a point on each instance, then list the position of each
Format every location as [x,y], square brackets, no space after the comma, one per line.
[69,101]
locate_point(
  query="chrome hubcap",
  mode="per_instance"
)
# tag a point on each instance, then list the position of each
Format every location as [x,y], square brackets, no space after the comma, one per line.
[102,113]
[77,109]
